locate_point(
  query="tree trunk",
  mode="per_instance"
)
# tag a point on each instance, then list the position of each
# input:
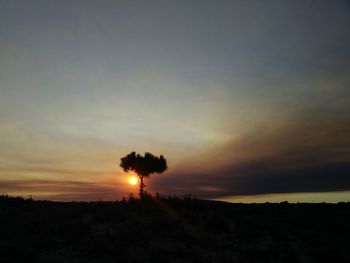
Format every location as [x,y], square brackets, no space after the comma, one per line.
[142,185]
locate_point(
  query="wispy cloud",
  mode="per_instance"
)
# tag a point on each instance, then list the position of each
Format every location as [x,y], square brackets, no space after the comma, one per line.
[63,190]
[298,156]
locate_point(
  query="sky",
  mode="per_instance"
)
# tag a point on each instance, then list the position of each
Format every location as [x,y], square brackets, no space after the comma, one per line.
[241,97]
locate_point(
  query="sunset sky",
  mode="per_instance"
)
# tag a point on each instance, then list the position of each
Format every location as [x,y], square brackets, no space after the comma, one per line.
[241,97]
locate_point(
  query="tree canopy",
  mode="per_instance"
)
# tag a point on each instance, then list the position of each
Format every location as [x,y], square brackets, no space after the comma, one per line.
[143,166]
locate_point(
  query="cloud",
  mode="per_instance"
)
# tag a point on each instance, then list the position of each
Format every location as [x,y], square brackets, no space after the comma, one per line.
[62,190]
[296,155]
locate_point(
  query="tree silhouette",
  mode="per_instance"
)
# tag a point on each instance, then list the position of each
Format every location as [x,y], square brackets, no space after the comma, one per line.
[143,166]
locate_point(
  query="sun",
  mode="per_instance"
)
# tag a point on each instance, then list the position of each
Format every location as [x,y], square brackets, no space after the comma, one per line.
[133,180]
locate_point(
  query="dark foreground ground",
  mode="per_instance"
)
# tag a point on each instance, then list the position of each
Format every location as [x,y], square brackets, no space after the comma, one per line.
[172,230]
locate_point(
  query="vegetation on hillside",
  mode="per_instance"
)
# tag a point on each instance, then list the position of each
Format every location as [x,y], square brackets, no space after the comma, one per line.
[171,229]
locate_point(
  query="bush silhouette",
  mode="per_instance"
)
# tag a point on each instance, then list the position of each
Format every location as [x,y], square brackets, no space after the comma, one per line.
[143,166]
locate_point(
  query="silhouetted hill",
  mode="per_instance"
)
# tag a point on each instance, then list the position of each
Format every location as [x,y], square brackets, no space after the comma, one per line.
[172,230]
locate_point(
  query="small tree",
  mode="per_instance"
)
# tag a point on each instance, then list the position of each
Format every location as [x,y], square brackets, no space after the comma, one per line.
[143,166]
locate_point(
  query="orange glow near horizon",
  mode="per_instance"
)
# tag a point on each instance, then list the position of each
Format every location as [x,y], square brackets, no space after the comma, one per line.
[133,180]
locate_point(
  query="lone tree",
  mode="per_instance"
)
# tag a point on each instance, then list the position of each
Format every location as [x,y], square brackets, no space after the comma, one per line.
[143,166]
